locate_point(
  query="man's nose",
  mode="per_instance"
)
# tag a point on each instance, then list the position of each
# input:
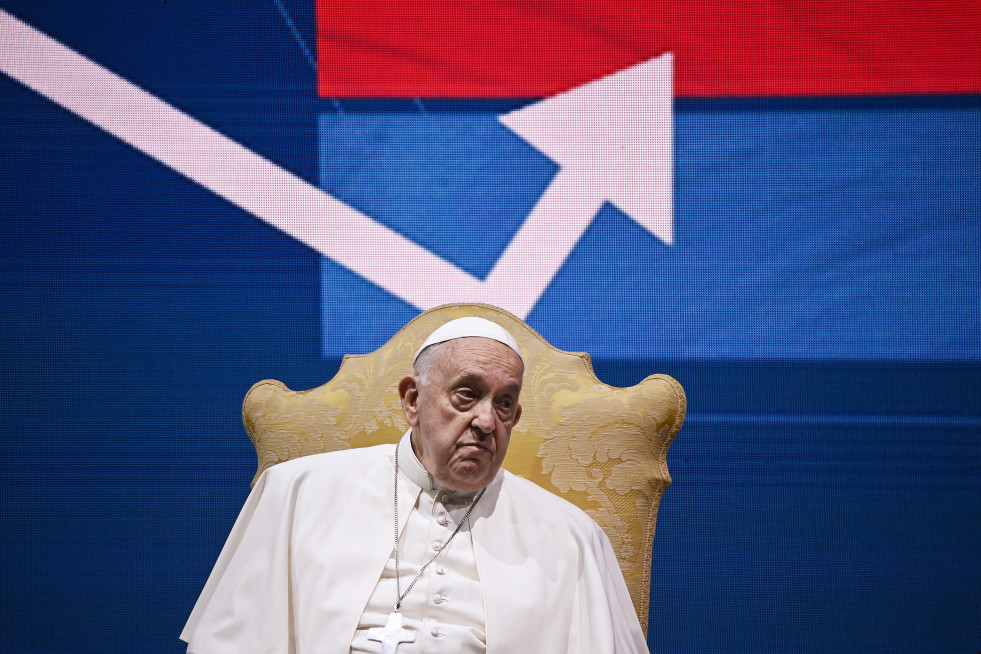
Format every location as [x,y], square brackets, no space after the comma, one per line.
[483,419]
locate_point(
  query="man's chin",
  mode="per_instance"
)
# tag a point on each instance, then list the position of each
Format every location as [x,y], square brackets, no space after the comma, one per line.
[469,475]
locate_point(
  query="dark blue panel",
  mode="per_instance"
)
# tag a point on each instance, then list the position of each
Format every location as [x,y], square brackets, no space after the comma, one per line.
[799,533]
[138,309]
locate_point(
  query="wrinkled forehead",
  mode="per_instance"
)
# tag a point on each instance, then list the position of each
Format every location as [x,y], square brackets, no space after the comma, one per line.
[473,355]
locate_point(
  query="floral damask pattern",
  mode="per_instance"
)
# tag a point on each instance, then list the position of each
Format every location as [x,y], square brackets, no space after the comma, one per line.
[602,448]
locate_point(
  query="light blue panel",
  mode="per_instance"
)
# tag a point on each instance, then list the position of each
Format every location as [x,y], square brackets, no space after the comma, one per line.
[820,232]
[459,184]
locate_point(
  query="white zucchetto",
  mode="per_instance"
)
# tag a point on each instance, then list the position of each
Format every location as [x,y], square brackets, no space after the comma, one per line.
[468,327]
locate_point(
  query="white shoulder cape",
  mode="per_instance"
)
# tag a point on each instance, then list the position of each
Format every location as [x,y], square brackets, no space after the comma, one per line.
[314,535]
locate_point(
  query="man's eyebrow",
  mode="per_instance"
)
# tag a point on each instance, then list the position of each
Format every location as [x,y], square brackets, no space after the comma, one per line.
[475,378]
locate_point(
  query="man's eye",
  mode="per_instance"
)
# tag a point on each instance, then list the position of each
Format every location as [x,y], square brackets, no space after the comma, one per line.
[506,406]
[466,394]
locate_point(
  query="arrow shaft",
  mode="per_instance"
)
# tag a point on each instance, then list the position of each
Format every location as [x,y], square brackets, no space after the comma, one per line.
[231,171]
[543,243]
[291,204]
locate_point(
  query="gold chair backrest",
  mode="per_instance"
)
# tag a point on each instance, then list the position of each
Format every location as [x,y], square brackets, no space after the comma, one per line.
[602,448]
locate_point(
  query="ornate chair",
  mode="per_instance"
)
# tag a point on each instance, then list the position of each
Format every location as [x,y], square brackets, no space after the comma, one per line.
[602,448]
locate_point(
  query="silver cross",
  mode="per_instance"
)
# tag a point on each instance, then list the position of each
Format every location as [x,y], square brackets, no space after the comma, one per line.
[392,634]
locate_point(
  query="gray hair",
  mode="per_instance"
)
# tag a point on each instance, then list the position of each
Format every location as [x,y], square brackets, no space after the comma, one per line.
[423,364]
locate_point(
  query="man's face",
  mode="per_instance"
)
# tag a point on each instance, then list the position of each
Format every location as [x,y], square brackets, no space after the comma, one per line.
[462,414]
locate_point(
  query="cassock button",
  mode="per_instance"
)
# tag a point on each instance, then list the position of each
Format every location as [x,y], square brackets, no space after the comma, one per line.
[440,570]
[438,599]
[437,546]
[435,632]
[443,521]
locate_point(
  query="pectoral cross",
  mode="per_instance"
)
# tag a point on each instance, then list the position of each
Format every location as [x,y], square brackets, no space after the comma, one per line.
[392,634]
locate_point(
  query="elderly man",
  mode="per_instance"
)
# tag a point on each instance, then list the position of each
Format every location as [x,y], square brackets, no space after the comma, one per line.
[425,546]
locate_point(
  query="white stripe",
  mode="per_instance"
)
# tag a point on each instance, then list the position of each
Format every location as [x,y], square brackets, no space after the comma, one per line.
[234,172]
[543,243]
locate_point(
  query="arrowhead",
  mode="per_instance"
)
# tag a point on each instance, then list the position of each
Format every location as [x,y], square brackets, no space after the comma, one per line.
[616,133]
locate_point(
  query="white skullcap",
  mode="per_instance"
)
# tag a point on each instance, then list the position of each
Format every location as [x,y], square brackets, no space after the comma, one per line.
[467,327]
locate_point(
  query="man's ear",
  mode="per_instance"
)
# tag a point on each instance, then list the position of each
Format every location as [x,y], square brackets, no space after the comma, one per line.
[409,392]
[517,415]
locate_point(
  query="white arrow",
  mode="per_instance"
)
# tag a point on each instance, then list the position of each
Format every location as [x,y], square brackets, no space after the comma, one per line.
[612,139]
[230,170]
[354,240]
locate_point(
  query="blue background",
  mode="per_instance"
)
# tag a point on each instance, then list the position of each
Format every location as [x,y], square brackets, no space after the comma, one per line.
[820,306]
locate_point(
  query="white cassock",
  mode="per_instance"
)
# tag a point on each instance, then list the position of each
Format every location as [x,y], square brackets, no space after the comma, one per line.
[309,567]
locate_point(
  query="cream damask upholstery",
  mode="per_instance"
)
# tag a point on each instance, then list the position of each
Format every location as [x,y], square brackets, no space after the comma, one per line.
[602,448]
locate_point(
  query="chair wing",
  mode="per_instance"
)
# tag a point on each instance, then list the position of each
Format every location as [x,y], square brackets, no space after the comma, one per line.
[602,448]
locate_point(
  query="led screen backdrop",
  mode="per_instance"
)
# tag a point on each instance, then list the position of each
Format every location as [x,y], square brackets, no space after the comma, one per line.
[776,203]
